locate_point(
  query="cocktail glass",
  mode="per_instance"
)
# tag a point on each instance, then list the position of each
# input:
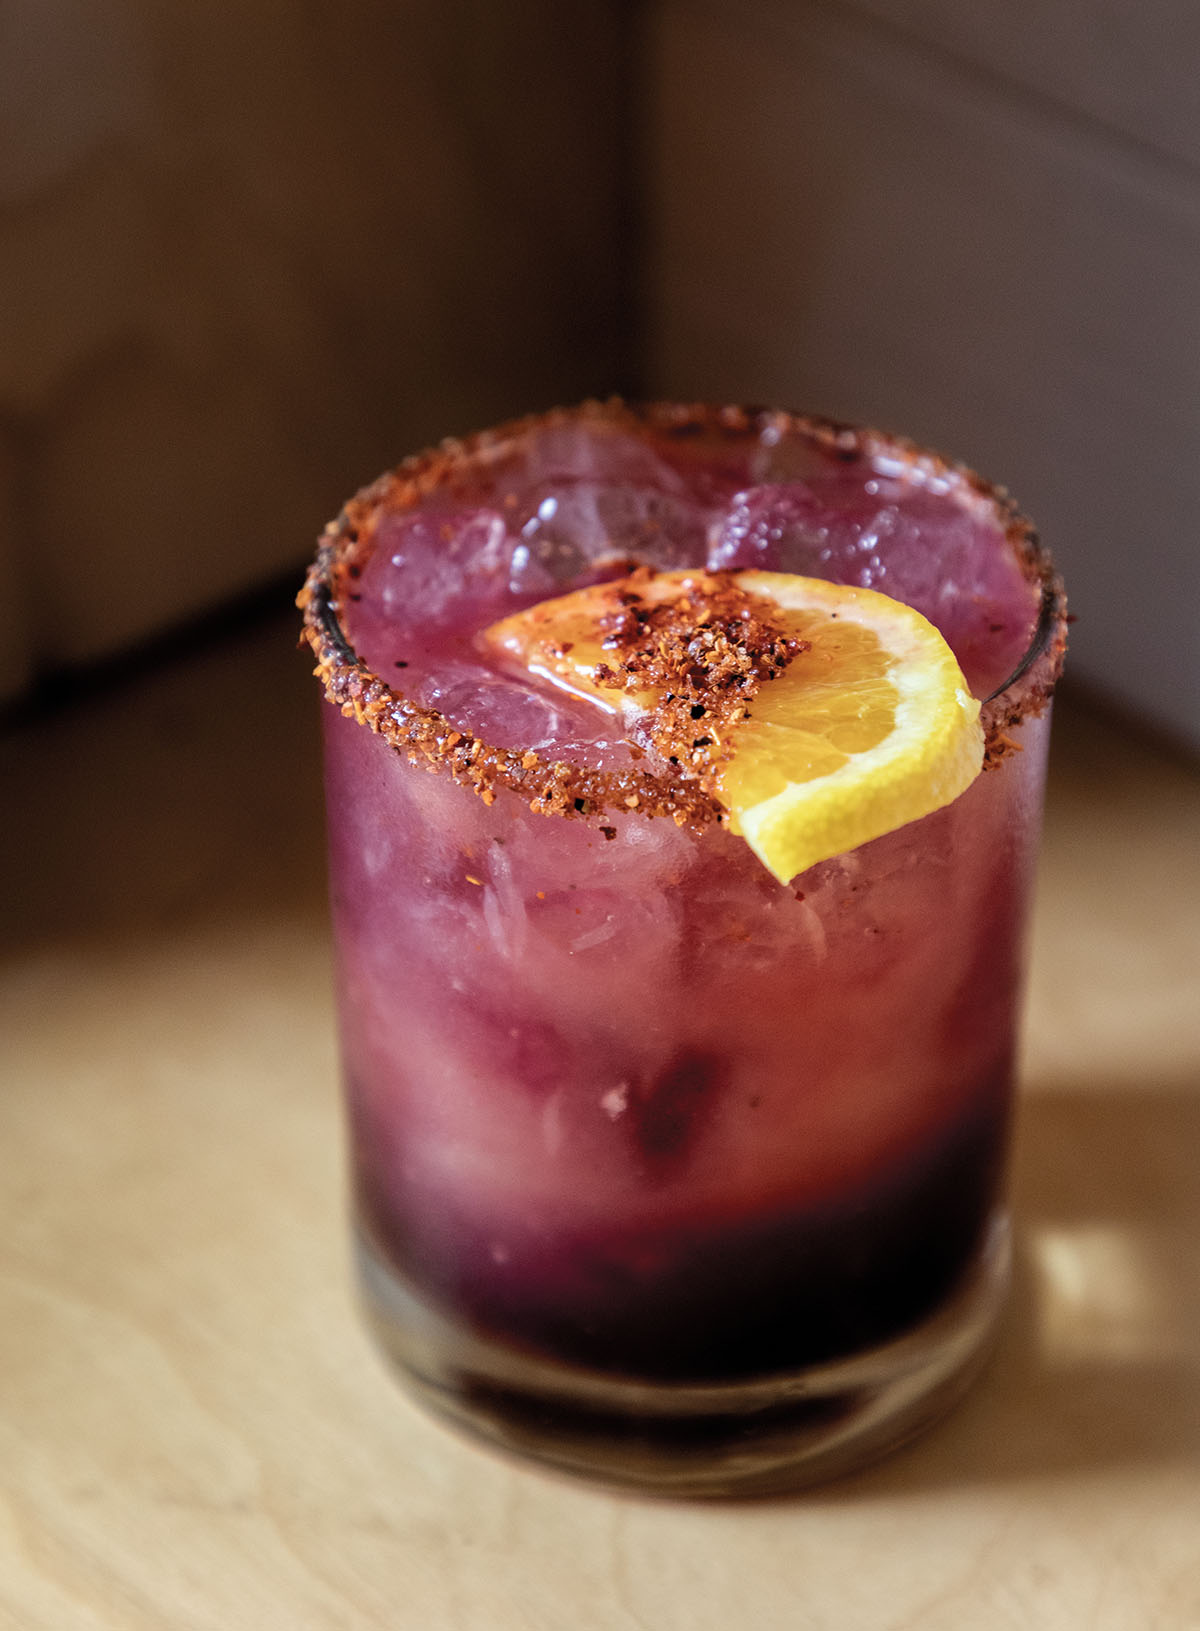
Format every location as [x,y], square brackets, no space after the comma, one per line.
[665,1172]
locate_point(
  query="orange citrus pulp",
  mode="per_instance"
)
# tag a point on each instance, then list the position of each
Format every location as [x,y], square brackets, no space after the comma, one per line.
[869,726]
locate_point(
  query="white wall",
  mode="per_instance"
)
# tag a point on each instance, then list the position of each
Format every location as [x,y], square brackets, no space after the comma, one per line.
[977,224]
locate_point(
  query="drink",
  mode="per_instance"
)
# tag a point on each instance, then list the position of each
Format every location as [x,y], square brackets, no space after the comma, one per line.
[665,1170]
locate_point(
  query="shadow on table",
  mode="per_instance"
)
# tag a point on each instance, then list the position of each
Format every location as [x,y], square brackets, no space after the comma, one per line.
[1098,1362]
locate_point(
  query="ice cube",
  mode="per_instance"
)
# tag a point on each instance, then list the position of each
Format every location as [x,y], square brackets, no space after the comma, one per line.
[569,526]
[917,544]
[504,711]
[581,451]
[775,528]
[425,563]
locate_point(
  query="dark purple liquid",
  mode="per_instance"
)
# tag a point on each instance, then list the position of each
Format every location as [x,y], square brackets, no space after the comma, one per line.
[716,1299]
[632,1105]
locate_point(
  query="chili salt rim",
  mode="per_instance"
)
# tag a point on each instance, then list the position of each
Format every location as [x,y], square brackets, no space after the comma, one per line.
[554,787]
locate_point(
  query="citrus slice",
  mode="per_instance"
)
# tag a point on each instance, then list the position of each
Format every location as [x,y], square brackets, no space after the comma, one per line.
[841,715]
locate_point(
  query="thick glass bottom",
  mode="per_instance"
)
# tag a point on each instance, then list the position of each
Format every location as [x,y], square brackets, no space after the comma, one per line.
[766,1436]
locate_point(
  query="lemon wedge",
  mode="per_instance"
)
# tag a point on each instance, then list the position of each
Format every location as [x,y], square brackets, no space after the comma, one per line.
[867,724]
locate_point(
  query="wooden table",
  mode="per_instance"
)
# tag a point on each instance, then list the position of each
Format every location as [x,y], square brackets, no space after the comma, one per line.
[194,1430]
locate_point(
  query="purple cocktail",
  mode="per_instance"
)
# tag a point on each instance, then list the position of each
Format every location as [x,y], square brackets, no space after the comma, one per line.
[665,1170]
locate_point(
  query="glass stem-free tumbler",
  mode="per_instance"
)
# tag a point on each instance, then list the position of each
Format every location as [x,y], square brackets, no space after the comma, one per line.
[666,1172]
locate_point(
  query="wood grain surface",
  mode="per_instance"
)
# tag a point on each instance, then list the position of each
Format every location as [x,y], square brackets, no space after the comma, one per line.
[195,1433]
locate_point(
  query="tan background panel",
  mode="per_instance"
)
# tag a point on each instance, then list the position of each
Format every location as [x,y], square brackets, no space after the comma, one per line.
[853,218]
[252,254]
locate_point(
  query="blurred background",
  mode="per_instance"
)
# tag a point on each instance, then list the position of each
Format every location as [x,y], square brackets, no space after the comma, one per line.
[250,254]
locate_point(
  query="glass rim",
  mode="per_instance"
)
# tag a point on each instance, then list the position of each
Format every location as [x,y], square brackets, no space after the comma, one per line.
[557,787]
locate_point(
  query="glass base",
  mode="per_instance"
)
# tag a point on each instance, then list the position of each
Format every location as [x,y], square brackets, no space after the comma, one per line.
[763,1437]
